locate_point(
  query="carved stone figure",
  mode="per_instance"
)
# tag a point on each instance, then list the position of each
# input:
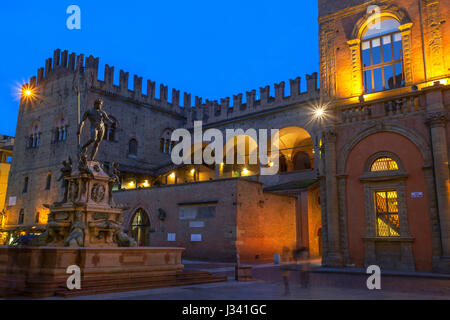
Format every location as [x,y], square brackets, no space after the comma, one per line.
[115,178]
[66,171]
[98,193]
[76,236]
[83,166]
[97,118]
[124,240]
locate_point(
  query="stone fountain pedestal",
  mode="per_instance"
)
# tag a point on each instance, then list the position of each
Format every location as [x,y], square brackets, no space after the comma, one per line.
[87,216]
[84,230]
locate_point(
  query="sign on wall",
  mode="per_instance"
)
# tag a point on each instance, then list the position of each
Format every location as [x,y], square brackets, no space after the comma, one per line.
[416,195]
[12,201]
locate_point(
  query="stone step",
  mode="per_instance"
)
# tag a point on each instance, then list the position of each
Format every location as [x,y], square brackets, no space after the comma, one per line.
[142,285]
[125,280]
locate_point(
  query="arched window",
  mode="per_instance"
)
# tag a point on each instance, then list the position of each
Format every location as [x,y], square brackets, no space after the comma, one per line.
[140,228]
[166,144]
[60,130]
[37,217]
[384,164]
[387,194]
[21,217]
[382,55]
[133,148]
[34,139]
[25,185]
[283,164]
[110,131]
[302,161]
[386,206]
[48,183]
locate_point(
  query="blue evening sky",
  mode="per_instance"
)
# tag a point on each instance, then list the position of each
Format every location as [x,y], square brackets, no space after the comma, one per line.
[209,48]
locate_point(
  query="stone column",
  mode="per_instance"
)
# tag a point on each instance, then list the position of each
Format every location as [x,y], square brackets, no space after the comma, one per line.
[437,122]
[289,165]
[357,79]
[218,171]
[407,52]
[334,257]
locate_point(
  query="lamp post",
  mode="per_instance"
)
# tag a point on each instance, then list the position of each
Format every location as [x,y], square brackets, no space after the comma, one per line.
[77,90]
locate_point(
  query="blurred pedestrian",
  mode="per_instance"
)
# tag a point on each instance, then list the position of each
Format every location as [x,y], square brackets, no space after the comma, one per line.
[302,259]
[285,270]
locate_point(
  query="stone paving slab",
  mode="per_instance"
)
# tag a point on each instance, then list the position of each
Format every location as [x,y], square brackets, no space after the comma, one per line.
[257,290]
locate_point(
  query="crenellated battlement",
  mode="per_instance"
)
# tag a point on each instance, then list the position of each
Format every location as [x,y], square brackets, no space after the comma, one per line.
[214,111]
[207,111]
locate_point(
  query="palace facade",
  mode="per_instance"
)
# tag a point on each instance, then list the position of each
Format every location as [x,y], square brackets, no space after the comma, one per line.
[364,181]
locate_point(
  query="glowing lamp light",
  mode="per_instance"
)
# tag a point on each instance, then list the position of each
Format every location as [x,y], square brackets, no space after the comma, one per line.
[245,171]
[193,171]
[270,164]
[319,112]
[443,82]
[131,184]
[146,184]
[172,175]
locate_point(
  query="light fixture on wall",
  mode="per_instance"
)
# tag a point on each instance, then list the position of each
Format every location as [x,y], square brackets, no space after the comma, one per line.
[319,112]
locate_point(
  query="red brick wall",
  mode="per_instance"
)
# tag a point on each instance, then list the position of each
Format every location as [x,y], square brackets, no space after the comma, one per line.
[418,211]
[266,223]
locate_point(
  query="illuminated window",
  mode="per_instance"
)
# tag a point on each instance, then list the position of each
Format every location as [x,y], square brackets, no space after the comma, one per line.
[140,228]
[386,206]
[384,164]
[382,56]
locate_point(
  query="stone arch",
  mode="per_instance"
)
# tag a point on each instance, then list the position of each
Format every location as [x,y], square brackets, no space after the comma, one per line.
[111,131]
[383,154]
[128,217]
[416,139]
[386,10]
[297,147]
[140,227]
[166,133]
[133,147]
[60,128]
[166,144]
[34,134]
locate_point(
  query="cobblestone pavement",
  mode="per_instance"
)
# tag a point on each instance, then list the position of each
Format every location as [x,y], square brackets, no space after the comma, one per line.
[268,285]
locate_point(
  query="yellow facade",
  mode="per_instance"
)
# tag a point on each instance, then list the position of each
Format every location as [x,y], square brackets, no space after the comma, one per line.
[4,174]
